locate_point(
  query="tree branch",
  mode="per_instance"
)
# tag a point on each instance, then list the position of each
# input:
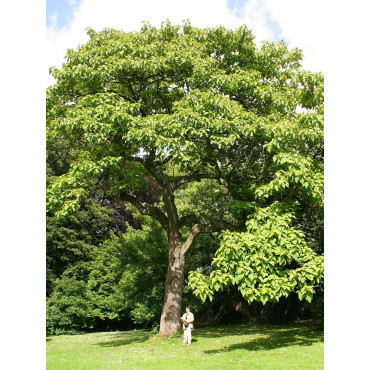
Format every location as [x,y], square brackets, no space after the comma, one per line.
[147,210]
[205,228]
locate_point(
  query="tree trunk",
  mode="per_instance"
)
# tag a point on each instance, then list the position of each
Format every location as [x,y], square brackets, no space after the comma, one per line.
[171,312]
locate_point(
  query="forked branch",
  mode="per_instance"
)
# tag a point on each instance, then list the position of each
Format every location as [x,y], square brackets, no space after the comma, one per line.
[206,228]
[147,210]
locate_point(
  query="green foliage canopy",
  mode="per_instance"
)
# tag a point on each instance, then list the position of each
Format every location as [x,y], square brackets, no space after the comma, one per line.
[208,100]
[132,107]
[268,261]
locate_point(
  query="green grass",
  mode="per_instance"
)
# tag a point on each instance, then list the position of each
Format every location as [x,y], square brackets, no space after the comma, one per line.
[230,346]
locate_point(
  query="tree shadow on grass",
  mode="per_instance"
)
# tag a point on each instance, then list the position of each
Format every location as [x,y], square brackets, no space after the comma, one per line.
[125,338]
[272,339]
[250,329]
[228,330]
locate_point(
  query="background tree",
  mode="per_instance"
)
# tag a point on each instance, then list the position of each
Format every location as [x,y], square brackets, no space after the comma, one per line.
[127,275]
[146,114]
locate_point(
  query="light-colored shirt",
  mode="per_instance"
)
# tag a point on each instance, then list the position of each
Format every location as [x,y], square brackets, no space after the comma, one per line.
[189,317]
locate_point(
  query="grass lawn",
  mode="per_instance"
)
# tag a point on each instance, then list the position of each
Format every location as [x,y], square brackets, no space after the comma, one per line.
[231,346]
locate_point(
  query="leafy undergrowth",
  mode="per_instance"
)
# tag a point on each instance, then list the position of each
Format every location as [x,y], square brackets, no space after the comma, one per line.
[235,346]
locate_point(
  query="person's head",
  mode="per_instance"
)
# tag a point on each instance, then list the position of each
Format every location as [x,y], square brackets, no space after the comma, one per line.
[187,309]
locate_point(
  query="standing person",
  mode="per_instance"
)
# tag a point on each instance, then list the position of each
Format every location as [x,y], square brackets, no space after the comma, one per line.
[187,320]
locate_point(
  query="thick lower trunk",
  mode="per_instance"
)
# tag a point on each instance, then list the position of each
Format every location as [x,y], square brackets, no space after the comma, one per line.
[171,312]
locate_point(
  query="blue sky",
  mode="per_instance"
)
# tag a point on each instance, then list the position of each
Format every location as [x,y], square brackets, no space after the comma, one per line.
[62,8]
[60,12]
[236,4]
[272,20]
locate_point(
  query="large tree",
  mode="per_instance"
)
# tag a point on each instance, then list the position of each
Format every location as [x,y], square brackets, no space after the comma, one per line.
[145,114]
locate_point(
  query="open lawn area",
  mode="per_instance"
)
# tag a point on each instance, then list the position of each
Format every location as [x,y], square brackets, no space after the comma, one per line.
[231,346]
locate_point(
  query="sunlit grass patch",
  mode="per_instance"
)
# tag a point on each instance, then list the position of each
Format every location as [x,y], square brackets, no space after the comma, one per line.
[236,346]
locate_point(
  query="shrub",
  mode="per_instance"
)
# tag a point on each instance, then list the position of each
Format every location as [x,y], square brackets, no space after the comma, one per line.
[69,308]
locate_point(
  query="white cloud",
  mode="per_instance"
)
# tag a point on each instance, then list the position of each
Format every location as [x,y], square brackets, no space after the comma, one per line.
[254,15]
[300,22]
[303,24]
[128,16]
[53,20]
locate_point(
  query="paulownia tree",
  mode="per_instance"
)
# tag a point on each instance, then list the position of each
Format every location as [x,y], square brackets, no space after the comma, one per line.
[145,114]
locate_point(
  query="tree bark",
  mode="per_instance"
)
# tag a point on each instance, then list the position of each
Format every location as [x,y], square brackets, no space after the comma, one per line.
[171,311]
